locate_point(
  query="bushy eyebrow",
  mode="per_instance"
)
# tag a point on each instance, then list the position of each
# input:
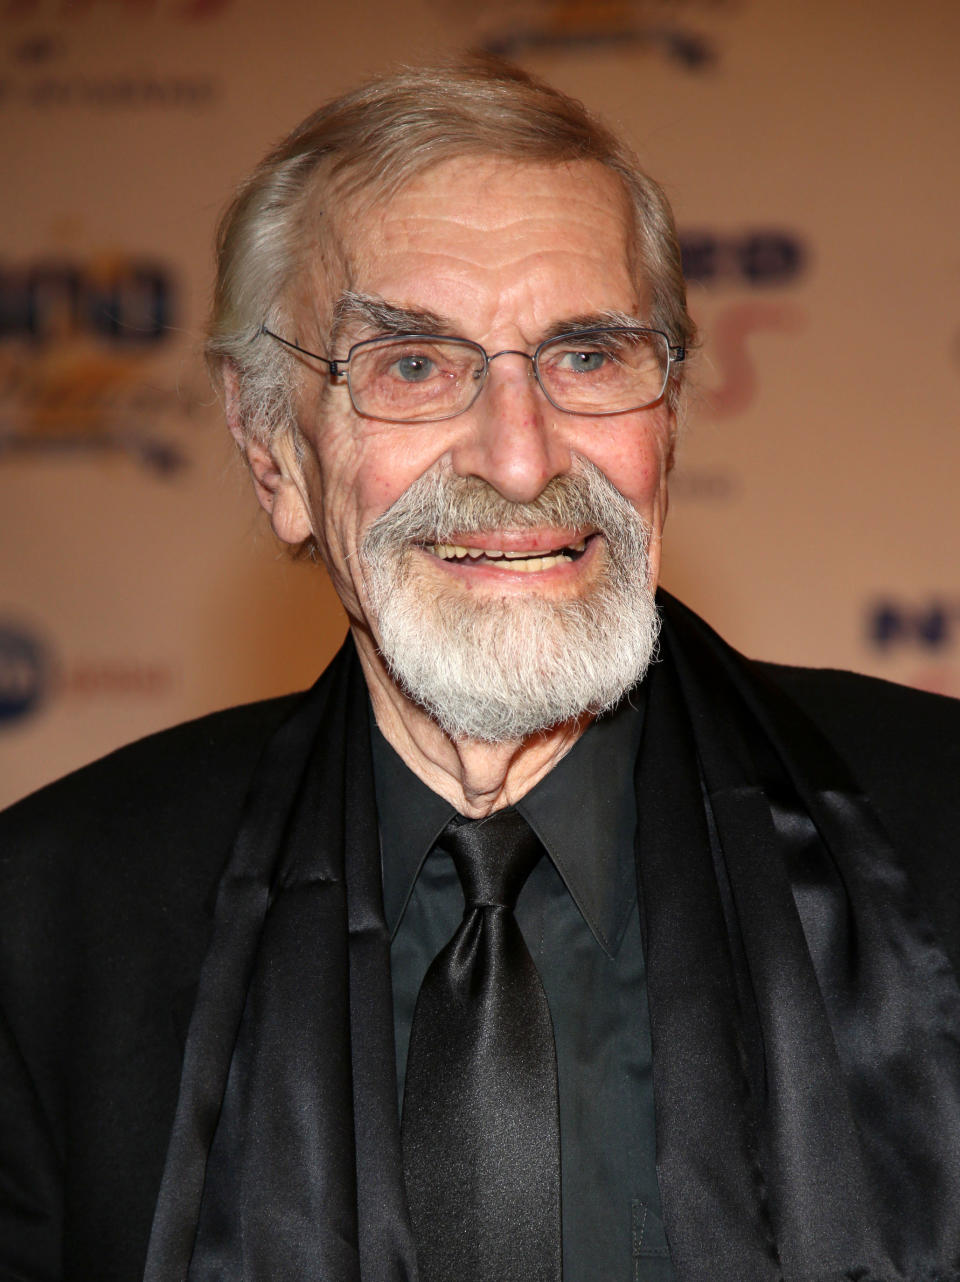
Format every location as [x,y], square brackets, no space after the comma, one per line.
[356,312]
[592,320]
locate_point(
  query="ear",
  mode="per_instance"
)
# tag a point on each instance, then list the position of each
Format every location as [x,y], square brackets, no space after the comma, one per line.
[278,479]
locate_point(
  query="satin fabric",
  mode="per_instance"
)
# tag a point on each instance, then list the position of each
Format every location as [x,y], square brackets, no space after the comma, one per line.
[804,1016]
[288,1085]
[481,1123]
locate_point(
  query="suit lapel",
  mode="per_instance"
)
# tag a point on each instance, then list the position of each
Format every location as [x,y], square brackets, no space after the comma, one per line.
[386,1241]
[284,1155]
[803,1013]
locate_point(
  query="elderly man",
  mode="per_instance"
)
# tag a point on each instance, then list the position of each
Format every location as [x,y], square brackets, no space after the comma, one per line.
[501,954]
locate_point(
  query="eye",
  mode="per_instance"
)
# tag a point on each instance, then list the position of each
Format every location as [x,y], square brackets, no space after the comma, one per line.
[413,368]
[582,362]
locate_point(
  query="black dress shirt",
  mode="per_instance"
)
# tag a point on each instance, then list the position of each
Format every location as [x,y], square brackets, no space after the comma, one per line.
[578,914]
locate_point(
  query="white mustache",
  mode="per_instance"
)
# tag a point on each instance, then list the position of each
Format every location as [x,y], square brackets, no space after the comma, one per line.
[440,504]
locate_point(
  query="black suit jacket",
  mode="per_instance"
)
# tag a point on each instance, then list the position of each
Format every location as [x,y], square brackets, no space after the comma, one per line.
[106,883]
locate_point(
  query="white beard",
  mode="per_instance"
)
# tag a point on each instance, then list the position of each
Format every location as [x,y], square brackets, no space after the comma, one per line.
[498,669]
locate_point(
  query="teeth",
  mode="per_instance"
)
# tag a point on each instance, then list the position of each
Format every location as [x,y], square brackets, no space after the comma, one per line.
[530,565]
[523,562]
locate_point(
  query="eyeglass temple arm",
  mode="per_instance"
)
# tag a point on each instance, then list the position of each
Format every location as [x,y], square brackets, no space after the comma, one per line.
[333,365]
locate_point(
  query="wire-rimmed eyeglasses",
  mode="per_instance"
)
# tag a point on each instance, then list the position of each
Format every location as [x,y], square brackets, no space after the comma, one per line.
[425,378]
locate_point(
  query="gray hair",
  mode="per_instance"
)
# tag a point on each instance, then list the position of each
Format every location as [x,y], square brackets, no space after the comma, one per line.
[373,141]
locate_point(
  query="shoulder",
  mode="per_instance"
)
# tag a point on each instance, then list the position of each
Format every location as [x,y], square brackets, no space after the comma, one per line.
[189,768]
[106,881]
[143,834]
[902,747]
[884,726]
[152,821]
[107,878]
[885,732]
[823,684]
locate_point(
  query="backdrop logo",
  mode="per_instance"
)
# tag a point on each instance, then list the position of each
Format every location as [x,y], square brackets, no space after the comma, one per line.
[77,340]
[125,301]
[754,258]
[921,636]
[516,27]
[24,672]
[931,625]
[73,10]
[32,676]
[764,261]
[41,72]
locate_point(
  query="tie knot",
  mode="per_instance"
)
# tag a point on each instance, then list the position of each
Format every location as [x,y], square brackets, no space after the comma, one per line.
[493,856]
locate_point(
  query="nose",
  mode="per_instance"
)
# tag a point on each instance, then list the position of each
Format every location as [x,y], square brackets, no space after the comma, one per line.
[510,437]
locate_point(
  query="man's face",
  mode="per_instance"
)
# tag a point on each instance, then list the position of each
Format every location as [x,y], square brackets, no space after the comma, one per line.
[503,253]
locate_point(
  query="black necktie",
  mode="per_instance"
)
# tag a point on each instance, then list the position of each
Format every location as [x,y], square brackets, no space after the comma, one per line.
[481,1131]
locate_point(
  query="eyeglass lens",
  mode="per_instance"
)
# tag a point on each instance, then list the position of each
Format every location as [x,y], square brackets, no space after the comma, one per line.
[416,379]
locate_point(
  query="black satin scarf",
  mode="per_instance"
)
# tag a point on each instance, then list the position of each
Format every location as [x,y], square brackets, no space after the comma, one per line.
[288,1085]
[805,1019]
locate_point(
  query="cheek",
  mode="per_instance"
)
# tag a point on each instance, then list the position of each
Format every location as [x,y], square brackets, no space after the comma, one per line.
[363,472]
[379,482]
[632,459]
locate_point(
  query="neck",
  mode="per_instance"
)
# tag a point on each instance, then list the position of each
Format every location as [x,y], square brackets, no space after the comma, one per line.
[475,777]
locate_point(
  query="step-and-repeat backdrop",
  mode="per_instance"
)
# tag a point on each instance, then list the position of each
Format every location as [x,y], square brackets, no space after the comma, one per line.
[811,151]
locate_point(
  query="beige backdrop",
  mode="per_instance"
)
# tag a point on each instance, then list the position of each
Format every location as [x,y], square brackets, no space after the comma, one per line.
[811,153]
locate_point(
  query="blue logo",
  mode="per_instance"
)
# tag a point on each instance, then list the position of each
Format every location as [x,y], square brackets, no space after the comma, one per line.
[24,672]
[929,625]
[129,303]
[754,258]
[76,339]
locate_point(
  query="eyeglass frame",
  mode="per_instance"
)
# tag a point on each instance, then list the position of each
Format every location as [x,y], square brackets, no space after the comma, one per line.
[340,366]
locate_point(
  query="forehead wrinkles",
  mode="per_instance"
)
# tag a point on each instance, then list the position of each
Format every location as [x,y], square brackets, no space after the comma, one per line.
[486,215]
[343,233]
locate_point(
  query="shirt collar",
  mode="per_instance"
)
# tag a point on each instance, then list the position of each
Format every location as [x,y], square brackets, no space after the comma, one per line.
[584,811]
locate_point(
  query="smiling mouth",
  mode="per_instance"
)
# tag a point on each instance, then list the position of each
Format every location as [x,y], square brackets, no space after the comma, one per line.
[517,561]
